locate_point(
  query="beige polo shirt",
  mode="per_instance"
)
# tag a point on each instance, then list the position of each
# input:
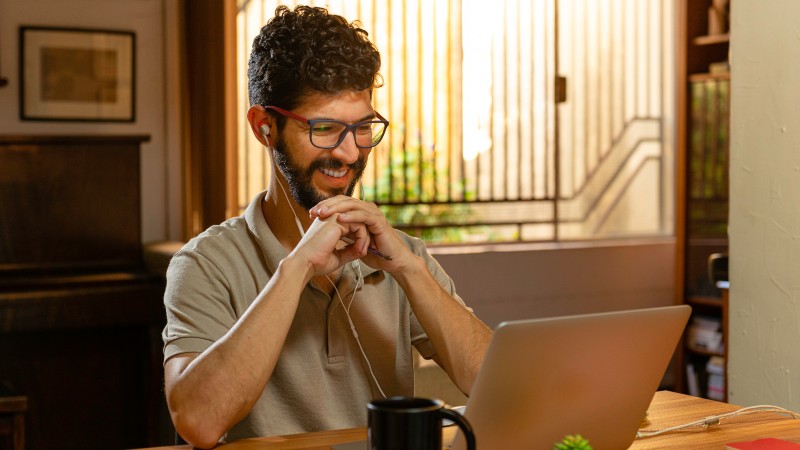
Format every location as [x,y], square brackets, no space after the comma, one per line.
[321,380]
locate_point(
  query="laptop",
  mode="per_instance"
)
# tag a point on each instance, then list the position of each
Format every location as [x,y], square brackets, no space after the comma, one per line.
[593,375]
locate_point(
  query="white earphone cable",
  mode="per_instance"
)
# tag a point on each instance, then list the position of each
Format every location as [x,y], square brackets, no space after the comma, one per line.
[350,303]
[355,333]
[711,421]
[289,204]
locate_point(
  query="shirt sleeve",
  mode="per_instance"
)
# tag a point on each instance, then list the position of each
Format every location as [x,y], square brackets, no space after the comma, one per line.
[198,306]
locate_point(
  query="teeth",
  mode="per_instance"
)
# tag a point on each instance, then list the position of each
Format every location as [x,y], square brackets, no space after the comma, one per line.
[334,173]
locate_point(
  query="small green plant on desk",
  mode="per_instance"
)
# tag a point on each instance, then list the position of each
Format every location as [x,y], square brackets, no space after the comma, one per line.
[570,442]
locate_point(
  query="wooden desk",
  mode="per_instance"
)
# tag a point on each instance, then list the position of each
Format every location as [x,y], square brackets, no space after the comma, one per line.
[667,409]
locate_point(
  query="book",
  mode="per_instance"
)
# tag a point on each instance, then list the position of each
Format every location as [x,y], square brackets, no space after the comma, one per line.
[763,444]
[716,378]
[692,382]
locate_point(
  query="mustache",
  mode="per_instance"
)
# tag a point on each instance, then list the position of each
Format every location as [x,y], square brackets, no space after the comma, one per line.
[335,164]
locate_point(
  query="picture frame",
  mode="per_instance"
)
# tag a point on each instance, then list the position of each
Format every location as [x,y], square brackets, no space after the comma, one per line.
[77,74]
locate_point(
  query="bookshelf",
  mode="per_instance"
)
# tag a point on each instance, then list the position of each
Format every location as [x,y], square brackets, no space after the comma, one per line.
[702,194]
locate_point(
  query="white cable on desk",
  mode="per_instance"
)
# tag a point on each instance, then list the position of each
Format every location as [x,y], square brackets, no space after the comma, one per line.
[714,420]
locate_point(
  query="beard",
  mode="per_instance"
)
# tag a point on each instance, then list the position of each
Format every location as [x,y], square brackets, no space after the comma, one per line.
[299,178]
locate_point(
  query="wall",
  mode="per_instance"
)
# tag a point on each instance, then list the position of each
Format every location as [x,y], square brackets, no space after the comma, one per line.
[154,114]
[515,282]
[530,281]
[519,282]
[765,204]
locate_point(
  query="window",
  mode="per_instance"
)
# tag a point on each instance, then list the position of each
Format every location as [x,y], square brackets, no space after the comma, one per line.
[514,120]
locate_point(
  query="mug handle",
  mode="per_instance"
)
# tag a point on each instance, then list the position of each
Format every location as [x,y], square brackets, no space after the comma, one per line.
[462,423]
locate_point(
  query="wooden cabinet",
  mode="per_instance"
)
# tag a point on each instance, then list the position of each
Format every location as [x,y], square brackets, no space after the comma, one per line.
[702,188]
[80,318]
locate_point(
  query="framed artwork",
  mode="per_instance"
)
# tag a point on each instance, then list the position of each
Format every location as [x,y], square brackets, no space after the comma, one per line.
[70,74]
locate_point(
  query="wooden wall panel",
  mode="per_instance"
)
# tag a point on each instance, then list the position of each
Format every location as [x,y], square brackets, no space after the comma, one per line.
[80,318]
[69,203]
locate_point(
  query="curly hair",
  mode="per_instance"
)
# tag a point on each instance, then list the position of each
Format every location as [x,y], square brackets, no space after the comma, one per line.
[307,51]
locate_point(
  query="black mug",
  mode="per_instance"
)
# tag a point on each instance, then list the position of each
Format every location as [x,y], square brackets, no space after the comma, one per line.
[409,423]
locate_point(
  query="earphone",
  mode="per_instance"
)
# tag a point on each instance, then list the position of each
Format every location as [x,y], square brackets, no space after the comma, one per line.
[346,309]
[264,129]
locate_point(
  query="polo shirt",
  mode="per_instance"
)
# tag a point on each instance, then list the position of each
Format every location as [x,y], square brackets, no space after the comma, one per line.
[321,380]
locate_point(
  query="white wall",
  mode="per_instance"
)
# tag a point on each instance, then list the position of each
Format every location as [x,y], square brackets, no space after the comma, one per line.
[764,364]
[160,167]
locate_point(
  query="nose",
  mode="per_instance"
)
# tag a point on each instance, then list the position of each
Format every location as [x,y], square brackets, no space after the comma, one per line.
[347,152]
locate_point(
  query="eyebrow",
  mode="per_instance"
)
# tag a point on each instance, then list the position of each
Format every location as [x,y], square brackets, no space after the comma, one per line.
[363,119]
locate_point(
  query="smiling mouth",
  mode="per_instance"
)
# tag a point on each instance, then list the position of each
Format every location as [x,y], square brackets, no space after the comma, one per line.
[334,173]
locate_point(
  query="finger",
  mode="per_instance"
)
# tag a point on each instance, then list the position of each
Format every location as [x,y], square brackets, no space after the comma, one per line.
[347,254]
[362,238]
[373,220]
[326,232]
[339,204]
[357,236]
[323,208]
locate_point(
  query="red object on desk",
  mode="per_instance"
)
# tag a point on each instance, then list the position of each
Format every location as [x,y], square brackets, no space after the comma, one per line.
[764,444]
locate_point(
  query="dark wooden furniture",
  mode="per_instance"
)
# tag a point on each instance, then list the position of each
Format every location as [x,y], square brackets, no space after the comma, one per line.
[12,419]
[80,318]
[702,170]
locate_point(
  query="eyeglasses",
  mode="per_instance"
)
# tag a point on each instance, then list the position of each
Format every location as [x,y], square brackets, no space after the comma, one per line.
[328,133]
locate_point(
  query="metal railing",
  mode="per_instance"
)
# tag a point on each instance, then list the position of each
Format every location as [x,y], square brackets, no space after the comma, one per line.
[479,140]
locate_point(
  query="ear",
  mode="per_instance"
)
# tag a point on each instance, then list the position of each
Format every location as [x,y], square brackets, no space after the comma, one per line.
[261,124]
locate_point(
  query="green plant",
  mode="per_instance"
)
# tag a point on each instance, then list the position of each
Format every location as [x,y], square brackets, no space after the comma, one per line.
[570,442]
[413,175]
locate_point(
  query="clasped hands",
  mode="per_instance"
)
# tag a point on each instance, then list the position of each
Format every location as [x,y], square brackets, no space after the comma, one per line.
[346,217]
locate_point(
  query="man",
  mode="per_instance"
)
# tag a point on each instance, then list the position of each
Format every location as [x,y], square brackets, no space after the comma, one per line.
[286,319]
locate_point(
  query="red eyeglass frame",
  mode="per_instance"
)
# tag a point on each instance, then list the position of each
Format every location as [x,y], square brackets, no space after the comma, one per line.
[349,127]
